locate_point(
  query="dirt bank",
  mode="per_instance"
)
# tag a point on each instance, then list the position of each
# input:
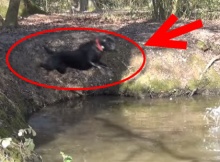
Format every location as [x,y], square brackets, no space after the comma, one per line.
[168,72]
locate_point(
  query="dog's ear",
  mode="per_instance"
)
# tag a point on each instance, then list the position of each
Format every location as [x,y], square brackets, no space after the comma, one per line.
[106,38]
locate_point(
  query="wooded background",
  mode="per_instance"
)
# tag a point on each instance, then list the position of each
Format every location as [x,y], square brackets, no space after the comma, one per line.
[156,9]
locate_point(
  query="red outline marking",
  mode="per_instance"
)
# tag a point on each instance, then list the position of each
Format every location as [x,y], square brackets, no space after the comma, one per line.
[163,36]
[74,88]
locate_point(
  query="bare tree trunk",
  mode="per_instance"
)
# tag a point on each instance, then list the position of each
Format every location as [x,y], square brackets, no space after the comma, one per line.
[12,13]
[155,12]
[1,21]
[162,14]
[30,8]
[46,6]
[159,12]
[76,3]
[84,5]
[175,7]
[97,5]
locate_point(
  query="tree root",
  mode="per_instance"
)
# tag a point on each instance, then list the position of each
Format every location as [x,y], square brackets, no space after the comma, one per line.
[216,58]
[193,92]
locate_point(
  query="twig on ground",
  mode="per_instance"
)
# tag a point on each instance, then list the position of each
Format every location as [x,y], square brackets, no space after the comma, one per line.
[216,58]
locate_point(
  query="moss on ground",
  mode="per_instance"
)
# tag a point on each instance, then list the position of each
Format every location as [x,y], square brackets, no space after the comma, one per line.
[3,10]
[173,77]
[3,7]
[11,117]
[144,85]
[33,9]
[14,155]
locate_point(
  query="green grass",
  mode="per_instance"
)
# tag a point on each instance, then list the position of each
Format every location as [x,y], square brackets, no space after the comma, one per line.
[3,11]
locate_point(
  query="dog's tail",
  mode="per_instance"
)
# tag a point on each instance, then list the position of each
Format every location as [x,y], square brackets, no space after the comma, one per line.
[49,51]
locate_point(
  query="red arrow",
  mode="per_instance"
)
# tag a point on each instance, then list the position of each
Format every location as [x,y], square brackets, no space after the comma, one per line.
[162,36]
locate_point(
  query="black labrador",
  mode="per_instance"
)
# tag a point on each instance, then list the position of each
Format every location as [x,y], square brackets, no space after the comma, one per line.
[88,55]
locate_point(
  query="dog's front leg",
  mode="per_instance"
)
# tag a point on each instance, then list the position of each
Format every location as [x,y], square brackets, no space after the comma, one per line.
[98,66]
[105,66]
[102,64]
[95,65]
[108,71]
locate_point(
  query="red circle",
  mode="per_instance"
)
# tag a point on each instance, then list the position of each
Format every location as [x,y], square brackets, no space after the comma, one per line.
[74,88]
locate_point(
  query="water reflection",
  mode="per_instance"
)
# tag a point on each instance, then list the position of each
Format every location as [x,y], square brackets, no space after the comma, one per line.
[126,130]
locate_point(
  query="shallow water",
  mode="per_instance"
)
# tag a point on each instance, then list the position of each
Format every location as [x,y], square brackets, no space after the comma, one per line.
[111,129]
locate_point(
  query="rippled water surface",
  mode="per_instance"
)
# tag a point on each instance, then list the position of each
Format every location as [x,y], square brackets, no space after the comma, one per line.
[110,129]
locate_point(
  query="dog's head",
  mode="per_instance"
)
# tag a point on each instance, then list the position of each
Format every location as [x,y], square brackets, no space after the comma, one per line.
[107,43]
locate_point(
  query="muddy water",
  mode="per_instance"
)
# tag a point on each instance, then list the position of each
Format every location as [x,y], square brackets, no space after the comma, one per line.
[109,129]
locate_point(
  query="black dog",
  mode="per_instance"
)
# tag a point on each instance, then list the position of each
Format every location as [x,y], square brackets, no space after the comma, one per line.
[88,55]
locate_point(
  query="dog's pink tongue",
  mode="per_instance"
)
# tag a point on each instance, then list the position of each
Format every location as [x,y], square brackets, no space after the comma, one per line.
[98,45]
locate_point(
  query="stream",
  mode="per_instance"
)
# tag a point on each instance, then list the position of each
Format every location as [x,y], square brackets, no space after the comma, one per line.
[116,129]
